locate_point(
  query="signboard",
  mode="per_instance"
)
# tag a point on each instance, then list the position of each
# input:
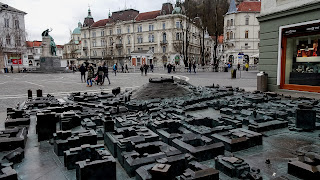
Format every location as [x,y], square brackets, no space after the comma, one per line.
[312,28]
[15,61]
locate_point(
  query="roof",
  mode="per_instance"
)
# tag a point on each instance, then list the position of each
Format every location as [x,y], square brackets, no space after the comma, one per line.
[100,23]
[220,39]
[232,7]
[148,15]
[76,31]
[59,46]
[249,6]
[34,43]
[9,8]
[124,15]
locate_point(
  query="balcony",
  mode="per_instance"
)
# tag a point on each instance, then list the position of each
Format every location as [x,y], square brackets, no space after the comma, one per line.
[85,48]
[118,46]
[164,42]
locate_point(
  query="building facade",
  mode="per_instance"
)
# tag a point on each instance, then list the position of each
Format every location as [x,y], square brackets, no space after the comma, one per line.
[162,32]
[12,38]
[242,33]
[72,50]
[289,49]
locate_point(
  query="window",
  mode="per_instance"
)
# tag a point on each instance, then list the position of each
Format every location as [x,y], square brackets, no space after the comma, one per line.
[228,22]
[18,41]
[85,35]
[247,20]
[164,37]
[246,34]
[231,23]
[85,43]
[128,29]
[78,38]
[228,35]
[118,31]
[164,49]
[94,53]
[178,36]
[151,49]
[6,22]
[119,52]
[150,27]
[231,35]
[140,39]
[103,42]
[8,40]
[151,38]
[129,40]
[163,25]
[110,32]
[102,33]
[140,28]
[140,49]
[103,53]
[93,34]
[259,34]
[111,41]
[94,43]
[178,24]
[129,51]
[16,24]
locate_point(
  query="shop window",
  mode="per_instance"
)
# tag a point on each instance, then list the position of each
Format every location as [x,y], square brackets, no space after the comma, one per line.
[302,66]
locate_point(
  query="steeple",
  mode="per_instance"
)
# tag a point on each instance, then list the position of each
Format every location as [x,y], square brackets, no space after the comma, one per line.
[89,13]
[109,15]
[232,7]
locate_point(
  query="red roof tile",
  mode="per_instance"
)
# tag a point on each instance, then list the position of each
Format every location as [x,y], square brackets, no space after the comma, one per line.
[249,7]
[100,23]
[148,15]
[34,43]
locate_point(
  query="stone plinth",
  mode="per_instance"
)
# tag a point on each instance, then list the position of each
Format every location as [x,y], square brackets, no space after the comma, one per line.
[50,64]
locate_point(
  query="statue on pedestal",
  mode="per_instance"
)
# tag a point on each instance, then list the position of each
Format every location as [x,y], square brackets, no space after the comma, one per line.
[52,44]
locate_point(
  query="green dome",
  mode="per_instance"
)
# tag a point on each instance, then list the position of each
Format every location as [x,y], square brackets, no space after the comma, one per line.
[76,31]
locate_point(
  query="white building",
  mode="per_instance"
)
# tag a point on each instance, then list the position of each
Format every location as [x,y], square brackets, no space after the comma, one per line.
[72,50]
[12,38]
[163,32]
[242,32]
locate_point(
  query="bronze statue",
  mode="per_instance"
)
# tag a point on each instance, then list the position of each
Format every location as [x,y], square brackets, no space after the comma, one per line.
[53,46]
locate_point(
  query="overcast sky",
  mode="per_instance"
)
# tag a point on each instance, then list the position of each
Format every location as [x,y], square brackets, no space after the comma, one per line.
[64,15]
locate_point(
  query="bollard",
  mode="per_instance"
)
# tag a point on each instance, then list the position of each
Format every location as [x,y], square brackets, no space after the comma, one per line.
[29,94]
[262,82]
[39,93]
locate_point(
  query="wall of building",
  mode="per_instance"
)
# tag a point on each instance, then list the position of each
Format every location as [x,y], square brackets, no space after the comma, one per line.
[269,37]
[272,6]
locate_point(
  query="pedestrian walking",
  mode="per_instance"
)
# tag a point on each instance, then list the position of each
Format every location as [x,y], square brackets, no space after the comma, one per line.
[127,70]
[238,66]
[247,66]
[141,69]
[90,76]
[105,70]
[151,67]
[169,66]
[11,69]
[174,68]
[115,68]
[146,67]
[83,73]
[194,67]
[122,68]
[100,74]
[190,65]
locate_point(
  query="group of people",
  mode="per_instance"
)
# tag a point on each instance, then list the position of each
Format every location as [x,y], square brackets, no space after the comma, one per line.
[192,65]
[145,67]
[99,77]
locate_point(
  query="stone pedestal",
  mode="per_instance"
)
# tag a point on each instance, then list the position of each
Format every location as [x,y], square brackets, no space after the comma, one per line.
[46,52]
[50,64]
